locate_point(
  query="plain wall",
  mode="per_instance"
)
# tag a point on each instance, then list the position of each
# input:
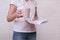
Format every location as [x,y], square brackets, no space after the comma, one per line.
[49,9]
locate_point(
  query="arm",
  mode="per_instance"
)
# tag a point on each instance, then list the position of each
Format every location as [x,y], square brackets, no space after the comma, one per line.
[11,13]
[36,15]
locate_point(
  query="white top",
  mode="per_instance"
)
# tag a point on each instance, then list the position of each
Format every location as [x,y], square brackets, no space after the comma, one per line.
[26,24]
[21,25]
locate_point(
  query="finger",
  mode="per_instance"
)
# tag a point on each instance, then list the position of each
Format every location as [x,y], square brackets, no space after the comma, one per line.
[19,12]
[20,16]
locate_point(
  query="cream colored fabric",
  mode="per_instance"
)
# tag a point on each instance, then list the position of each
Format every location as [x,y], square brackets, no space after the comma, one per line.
[25,24]
[21,24]
[22,4]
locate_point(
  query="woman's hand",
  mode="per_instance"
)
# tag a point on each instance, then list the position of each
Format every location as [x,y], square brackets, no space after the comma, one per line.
[12,14]
[19,14]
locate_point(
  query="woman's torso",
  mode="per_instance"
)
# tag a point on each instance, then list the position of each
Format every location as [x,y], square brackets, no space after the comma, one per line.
[21,25]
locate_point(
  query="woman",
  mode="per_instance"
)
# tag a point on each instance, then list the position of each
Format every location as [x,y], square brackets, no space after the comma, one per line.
[22,30]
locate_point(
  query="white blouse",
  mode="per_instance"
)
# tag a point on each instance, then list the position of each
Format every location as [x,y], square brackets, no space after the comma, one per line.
[22,4]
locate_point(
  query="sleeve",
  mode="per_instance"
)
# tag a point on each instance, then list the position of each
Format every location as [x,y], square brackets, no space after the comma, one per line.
[35,3]
[14,2]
